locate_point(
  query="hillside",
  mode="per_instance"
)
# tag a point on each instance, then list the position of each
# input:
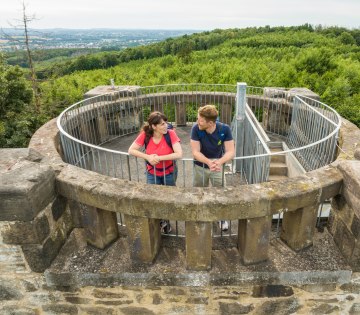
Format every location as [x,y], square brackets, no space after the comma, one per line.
[325,60]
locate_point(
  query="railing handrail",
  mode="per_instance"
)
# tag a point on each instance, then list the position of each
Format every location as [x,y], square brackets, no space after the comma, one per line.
[319,113]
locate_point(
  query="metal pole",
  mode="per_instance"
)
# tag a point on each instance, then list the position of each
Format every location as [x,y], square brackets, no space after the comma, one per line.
[239,122]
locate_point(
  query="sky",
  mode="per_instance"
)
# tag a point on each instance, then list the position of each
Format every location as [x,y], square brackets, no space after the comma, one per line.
[180,14]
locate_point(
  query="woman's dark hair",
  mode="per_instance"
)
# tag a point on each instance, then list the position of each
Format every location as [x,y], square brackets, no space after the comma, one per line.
[153,119]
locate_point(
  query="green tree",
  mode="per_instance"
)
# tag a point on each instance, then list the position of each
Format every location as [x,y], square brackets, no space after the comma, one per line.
[15,93]
[315,61]
[17,117]
[347,39]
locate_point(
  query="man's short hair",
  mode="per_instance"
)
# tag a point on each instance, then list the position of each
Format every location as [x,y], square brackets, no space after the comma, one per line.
[209,112]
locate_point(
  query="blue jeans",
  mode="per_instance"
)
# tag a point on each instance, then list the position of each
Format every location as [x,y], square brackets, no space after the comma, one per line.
[167,180]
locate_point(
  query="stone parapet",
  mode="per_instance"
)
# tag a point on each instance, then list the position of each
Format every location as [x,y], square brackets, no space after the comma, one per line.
[192,204]
[33,216]
[251,202]
[349,144]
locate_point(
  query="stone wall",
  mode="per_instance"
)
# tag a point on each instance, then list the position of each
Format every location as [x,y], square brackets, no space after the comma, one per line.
[344,222]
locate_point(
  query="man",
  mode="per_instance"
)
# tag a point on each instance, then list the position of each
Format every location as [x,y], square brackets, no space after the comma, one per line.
[212,145]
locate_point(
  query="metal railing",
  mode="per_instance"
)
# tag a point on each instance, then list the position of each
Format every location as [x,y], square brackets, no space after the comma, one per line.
[96,132]
[311,123]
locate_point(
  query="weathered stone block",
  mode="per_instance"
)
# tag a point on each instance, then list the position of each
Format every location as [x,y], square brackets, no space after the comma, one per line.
[331,181]
[298,227]
[235,308]
[39,257]
[279,306]
[253,239]
[355,258]
[58,207]
[100,226]
[355,227]
[33,232]
[294,193]
[344,239]
[198,245]
[9,291]
[10,157]
[352,200]
[117,90]
[25,191]
[144,238]
[75,210]
[342,210]
[60,309]
[304,92]
[357,154]
[272,290]
[331,224]
[351,174]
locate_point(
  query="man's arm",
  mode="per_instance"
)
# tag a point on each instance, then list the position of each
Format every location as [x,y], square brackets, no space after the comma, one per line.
[229,147]
[195,149]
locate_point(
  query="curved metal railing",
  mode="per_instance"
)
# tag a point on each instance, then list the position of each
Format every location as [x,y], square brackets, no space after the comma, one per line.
[92,128]
[96,132]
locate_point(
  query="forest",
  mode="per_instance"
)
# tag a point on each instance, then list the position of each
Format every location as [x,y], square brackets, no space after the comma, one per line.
[324,59]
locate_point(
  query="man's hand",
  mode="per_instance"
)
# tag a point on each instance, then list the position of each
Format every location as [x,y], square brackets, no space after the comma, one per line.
[215,166]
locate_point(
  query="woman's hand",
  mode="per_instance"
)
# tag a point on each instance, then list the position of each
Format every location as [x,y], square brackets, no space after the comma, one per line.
[153,159]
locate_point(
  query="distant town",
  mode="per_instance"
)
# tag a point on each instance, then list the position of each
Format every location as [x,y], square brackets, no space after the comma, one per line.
[106,39]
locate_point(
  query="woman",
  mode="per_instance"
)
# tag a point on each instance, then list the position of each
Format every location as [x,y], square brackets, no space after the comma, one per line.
[159,155]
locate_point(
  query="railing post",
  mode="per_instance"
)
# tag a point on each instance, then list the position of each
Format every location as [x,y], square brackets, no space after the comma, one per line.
[180,113]
[102,129]
[239,123]
[225,113]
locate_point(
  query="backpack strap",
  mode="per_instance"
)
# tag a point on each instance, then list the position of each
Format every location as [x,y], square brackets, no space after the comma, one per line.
[220,132]
[219,126]
[167,139]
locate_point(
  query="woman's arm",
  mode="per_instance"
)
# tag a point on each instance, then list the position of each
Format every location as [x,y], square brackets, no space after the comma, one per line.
[173,156]
[134,150]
